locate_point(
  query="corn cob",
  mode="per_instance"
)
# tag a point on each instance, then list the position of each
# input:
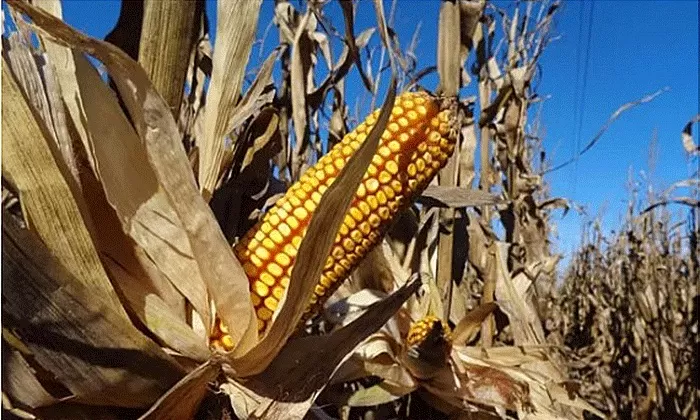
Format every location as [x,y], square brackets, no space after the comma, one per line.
[419,330]
[414,146]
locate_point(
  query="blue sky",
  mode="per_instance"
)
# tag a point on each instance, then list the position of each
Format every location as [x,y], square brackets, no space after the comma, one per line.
[635,48]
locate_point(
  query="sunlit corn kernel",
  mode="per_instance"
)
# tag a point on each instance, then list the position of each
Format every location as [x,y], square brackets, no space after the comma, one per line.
[356,236]
[355,144]
[412,184]
[396,186]
[274,220]
[403,122]
[435,164]
[278,292]
[339,270]
[411,169]
[422,147]
[261,289]
[307,187]
[268,243]
[372,170]
[326,281]
[284,282]
[313,181]
[364,208]
[312,301]
[386,135]
[393,127]
[348,244]
[356,214]
[271,303]
[372,185]
[310,206]
[267,278]
[339,163]
[420,165]
[290,250]
[384,177]
[361,190]
[373,236]
[396,111]
[392,167]
[262,253]
[283,259]
[360,128]
[338,252]
[372,201]
[384,152]
[404,137]
[347,151]
[343,230]
[435,122]
[275,269]
[227,342]
[408,104]
[276,236]
[255,300]
[420,177]
[384,213]
[345,263]
[365,228]
[377,160]
[352,258]
[374,220]
[256,261]
[282,213]
[427,157]
[381,198]
[319,290]
[320,175]
[259,235]
[250,270]
[295,202]
[349,221]
[296,241]
[420,109]
[329,263]
[412,115]
[286,205]
[394,146]
[394,206]
[293,222]
[434,137]
[366,243]
[264,313]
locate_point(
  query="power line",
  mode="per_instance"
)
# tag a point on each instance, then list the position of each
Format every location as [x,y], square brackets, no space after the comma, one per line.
[582,93]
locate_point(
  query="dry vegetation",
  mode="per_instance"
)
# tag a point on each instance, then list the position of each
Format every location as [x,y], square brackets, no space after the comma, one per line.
[121,201]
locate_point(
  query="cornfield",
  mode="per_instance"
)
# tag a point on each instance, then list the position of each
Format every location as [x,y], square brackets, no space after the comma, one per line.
[193,232]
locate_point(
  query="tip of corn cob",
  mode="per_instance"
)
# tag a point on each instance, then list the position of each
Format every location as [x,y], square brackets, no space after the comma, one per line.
[416,143]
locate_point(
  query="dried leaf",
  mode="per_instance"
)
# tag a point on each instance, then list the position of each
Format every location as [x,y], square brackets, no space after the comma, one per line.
[457,197]
[75,333]
[132,188]
[237,22]
[166,38]
[47,199]
[299,69]
[305,365]
[467,328]
[183,399]
[226,281]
